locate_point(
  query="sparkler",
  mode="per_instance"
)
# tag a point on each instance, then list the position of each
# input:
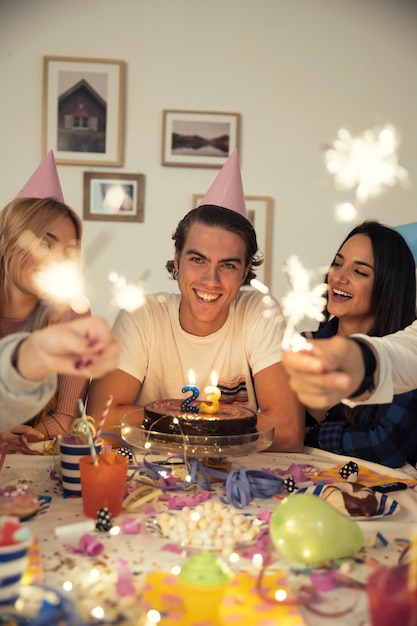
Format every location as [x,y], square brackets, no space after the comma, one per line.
[127,296]
[62,282]
[300,302]
[368,162]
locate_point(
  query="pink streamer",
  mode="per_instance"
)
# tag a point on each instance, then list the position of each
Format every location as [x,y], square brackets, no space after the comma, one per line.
[131,526]
[88,546]
[124,583]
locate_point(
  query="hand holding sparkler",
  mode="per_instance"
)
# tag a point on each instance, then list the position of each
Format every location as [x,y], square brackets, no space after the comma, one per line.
[83,347]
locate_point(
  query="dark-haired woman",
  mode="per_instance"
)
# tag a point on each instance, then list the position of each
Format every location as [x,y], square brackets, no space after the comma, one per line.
[371,290]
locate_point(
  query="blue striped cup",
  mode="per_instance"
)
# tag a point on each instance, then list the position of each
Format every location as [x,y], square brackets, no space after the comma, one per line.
[70,465]
[13,561]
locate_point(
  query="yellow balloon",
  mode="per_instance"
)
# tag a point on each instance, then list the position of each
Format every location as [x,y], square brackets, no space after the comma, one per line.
[309,530]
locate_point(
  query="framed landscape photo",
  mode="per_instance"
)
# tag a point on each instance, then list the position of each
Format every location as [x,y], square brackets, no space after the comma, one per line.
[198,138]
[83,110]
[259,213]
[114,197]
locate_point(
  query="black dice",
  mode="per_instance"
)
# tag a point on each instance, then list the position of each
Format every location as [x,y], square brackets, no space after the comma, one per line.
[348,470]
[127,453]
[104,523]
[290,484]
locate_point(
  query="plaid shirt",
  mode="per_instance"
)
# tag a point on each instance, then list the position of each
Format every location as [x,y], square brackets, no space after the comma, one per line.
[382,433]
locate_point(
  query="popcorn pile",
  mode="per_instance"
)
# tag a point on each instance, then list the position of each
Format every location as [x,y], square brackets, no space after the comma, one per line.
[209,525]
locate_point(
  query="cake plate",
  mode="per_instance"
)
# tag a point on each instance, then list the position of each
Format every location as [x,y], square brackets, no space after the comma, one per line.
[197,446]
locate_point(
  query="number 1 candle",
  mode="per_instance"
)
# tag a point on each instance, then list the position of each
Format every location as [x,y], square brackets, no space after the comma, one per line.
[195,392]
[213,395]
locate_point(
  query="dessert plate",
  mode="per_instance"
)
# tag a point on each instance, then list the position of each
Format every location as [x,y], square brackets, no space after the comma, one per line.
[198,446]
[386,504]
[201,539]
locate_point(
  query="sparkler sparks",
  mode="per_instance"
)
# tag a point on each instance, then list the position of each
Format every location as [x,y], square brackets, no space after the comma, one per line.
[300,302]
[126,296]
[368,162]
[62,283]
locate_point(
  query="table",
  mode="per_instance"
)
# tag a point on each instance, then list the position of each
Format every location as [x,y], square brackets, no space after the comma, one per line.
[144,552]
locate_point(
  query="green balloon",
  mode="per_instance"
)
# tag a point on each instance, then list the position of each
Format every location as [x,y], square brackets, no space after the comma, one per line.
[309,530]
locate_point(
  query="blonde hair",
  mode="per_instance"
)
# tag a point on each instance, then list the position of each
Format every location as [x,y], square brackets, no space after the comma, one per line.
[28,220]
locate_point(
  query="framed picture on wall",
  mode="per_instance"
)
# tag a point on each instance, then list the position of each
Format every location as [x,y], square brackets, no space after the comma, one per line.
[114,197]
[259,213]
[82,111]
[198,138]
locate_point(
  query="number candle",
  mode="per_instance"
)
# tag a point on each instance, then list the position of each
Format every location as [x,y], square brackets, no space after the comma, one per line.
[195,392]
[213,396]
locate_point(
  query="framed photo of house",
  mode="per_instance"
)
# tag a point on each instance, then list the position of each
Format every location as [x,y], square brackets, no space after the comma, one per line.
[259,213]
[82,111]
[114,197]
[198,138]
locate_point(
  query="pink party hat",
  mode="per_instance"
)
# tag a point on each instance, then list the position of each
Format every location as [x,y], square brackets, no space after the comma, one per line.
[44,182]
[227,190]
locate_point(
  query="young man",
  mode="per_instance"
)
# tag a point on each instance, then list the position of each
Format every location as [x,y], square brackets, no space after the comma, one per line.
[29,363]
[212,325]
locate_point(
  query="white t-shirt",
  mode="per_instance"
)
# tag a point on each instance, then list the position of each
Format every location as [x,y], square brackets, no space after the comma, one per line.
[159,353]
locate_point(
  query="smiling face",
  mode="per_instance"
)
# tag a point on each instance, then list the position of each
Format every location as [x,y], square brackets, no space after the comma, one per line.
[211,269]
[351,280]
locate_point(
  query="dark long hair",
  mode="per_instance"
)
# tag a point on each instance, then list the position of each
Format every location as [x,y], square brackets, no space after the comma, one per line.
[393,298]
[219,217]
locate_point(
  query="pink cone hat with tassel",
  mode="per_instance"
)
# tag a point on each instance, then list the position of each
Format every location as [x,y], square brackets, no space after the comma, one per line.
[227,190]
[44,182]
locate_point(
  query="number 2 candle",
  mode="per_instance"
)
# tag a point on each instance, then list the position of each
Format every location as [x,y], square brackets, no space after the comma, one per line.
[195,392]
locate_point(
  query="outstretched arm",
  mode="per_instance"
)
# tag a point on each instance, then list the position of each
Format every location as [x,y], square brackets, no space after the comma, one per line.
[332,370]
[29,364]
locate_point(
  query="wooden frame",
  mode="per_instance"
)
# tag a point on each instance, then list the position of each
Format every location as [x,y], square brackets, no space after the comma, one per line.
[114,197]
[259,213]
[198,138]
[83,110]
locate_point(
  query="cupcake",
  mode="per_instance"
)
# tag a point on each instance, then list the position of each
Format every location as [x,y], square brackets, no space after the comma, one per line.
[202,582]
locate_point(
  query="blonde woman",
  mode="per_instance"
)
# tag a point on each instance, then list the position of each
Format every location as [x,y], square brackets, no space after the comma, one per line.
[34,233]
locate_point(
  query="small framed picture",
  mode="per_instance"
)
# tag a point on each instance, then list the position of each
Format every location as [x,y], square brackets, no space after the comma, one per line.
[259,213]
[199,138]
[82,112]
[114,197]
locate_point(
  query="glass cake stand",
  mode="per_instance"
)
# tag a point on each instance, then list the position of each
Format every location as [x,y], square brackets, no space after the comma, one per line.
[197,446]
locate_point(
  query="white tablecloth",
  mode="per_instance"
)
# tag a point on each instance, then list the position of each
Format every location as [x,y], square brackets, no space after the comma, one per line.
[145,551]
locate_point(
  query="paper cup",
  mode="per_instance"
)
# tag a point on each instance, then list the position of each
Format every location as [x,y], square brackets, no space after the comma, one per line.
[13,561]
[70,465]
[390,599]
[103,485]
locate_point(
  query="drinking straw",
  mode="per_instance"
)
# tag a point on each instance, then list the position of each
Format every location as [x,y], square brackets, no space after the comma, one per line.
[412,567]
[88,432]
[103,417]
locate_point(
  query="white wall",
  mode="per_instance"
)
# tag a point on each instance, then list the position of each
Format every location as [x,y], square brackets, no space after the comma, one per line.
[296,70]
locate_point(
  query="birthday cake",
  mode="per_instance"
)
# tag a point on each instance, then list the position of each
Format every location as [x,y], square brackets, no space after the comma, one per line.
[166,416]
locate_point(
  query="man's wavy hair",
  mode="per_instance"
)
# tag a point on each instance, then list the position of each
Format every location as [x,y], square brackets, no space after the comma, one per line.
[219,217]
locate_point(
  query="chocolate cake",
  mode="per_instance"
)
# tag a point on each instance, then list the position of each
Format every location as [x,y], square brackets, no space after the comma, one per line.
[351,499]
[229,420]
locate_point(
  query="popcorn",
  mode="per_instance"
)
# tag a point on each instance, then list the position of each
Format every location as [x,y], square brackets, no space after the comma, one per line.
[209,525]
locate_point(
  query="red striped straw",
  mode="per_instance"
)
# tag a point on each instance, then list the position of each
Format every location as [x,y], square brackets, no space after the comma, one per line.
[103,417]
[88,432]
